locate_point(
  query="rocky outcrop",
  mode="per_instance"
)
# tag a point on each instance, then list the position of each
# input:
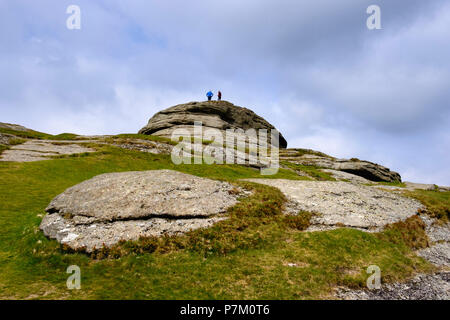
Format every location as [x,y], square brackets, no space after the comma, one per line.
[368,170]
[125,206]
[37,150]
[14,127]
[219,115]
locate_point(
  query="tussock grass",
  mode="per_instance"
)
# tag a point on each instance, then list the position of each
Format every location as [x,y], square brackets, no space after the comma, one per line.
[301,152]
[410,232]
[16,141]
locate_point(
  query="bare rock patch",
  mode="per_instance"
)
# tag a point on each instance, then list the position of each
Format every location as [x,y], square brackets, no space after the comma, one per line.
[344,204]
[128,205]
[37,150]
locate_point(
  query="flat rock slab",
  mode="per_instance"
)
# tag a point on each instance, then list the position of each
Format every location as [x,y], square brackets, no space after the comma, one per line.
[37,150]
[96,235]
[127,205]
[344,204]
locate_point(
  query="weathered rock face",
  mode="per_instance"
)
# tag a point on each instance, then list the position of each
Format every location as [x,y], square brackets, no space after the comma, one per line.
[365,169]
[127,205]
[220,115]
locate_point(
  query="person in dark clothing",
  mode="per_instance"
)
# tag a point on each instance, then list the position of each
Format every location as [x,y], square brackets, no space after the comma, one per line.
[219,96]
[209,94]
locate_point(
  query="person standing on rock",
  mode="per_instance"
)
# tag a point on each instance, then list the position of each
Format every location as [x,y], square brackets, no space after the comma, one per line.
[209,94]
[219,96]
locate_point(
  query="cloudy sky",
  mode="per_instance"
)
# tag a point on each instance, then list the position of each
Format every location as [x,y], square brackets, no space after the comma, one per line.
[312,68]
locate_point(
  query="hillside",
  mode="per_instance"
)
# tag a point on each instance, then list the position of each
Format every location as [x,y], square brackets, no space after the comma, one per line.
[308,232]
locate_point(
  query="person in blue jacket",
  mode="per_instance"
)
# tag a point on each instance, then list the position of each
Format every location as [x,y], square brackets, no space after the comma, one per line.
[209,94]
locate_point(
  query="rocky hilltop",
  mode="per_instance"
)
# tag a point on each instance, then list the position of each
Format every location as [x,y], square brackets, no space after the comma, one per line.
[224,115]
[221,115]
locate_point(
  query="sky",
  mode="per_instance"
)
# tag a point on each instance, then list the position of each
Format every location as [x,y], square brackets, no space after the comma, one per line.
[311,68]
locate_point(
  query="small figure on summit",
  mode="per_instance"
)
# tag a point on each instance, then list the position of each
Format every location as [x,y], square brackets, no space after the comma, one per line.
[209,94]
[219,96]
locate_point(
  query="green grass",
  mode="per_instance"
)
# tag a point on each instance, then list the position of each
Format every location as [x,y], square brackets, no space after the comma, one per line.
[31,134]
[301,152]
[245,257]
[311,171]
[437,203]
[143,137]
[3,148]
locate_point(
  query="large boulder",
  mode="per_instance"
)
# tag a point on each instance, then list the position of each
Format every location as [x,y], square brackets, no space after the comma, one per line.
[127,205]
[220,115]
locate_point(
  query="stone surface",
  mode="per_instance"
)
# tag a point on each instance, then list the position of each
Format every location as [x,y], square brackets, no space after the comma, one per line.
[436,231]
[36,150]
[341,175]
[438,254]
[219,115]
[421,287]
[345,204]
[417,186]
[365,169]
[127,205]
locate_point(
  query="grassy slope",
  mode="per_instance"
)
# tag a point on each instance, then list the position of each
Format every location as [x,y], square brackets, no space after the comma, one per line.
[311,171]
[436,202]
[34,267]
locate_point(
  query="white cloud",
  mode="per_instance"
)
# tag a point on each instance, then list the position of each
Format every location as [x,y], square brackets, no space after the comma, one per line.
[310,68]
